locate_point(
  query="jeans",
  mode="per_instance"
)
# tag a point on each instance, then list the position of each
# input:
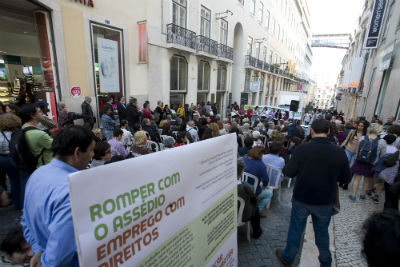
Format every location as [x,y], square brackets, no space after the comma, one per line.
[263,198]
[321,217]
[8,164]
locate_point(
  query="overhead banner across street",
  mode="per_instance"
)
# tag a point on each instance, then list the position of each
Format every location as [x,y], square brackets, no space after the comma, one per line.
[177,207]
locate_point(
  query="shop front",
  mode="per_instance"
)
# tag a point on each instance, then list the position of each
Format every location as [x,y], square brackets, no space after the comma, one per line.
[27,64]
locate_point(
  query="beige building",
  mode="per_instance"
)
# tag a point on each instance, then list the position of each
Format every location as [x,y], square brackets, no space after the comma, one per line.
[178,51]
[373,87]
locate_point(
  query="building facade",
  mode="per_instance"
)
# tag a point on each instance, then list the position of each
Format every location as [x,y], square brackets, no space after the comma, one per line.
[177,51]
[368,82]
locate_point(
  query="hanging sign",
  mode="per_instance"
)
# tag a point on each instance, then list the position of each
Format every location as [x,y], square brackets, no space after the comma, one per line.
[108,65]
[375,24]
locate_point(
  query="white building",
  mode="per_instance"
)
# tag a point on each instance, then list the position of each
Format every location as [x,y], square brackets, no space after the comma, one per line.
[232,51]
[177,51]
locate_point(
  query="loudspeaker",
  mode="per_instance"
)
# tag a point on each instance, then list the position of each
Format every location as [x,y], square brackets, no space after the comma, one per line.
[294,105]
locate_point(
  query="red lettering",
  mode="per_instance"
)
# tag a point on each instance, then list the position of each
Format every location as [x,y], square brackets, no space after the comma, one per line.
[118,258]
[104,264]
[127,253]
[126,234]
[143,226]
[101,252]
[155,233]
[147,239]
[135,230]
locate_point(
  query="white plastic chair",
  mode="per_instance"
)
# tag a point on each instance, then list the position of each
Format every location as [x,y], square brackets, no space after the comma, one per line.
[162,146]
[275,180]
[150,144]
[160,131]
[240,215]
[245,178]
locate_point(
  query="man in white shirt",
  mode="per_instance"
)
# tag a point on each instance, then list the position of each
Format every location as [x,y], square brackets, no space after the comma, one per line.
[127,137]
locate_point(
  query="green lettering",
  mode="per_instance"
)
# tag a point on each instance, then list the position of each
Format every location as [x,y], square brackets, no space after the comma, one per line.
[95,210]
[124,198]
[109,206]
[100,232]
[117,223]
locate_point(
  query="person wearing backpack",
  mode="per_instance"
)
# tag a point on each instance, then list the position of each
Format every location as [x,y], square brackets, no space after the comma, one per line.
[8,124]
[38,142]
[370,148]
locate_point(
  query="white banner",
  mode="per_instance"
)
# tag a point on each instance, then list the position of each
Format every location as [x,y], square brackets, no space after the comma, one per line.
[108,65]
[177,207]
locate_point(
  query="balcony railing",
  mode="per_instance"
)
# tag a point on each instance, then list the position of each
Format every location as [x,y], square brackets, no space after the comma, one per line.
[207,45]
[266,66]
[225,51]
[179,35]
[259,64]
[250,61]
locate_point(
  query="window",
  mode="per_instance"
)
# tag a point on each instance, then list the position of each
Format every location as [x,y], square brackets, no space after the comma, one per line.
[205,24]
[262,77]
[273,26]
[253,7]
[108,57]
[257,50]
[179,12]
[247,81]
[278,31]
[382,92]
[221,78]
[249,45]
[178,74]
[223,35]
[203,76]
[267,17]
[241,1]
[261,13]
[265,53]
[388,19]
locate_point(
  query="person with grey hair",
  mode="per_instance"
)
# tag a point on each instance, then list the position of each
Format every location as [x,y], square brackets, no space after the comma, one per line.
[88,113]
[250,211]
[168,142]
[192,131]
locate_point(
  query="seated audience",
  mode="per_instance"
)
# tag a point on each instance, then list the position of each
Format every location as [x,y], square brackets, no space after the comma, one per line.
[248,144]
[117,148]
[127,137]
[250,211]
[255,166]
[102,153]
[140,141]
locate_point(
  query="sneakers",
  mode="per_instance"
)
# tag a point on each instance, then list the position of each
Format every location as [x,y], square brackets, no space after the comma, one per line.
[369,193]
[352,198]
[278,253]
[376,199]
[362,197]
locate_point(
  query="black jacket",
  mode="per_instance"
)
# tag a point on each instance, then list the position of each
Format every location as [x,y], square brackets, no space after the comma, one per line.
[153,132]
[133,115]
[121,111]
[318,165]
[87,113]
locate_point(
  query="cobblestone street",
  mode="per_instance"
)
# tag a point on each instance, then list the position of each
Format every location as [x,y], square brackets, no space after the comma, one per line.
[348,229]
[261,252]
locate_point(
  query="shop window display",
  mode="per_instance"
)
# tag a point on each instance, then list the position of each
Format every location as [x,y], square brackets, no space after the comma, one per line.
[27,74]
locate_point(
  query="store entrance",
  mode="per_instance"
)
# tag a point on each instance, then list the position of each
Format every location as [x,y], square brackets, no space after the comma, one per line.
[26,65]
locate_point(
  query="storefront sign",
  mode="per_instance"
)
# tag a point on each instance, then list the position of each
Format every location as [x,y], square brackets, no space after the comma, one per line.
[43,89]
[142,42]
[375,24]
[89,3]
[108,65]
[181,213]
[76,91]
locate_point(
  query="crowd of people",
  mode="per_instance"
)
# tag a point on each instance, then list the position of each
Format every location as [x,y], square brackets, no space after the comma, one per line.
[35,150]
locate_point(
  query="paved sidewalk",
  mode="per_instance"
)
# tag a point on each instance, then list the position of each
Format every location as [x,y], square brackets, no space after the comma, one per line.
[261,252]
[348,229]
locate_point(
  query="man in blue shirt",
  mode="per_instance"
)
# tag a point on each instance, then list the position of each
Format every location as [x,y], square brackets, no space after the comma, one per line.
[47,218]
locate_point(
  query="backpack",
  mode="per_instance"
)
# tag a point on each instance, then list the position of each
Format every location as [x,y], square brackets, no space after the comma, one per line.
[368,150]
[20,152]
